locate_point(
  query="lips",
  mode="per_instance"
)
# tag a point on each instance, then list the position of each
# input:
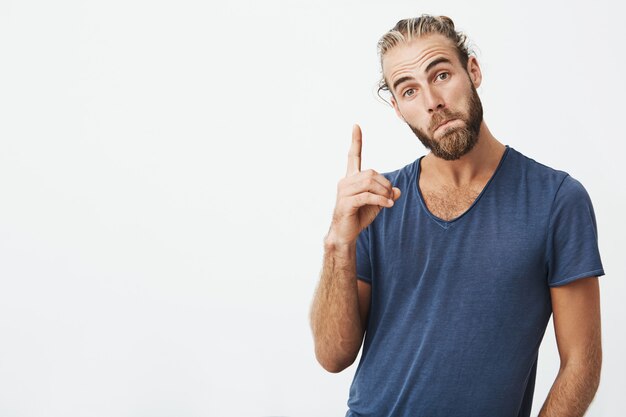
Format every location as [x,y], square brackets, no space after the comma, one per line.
[443,123]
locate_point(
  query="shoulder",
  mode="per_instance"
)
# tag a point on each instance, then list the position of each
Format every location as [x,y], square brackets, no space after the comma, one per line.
[565,184]
[564,193]
[403,175]
[537,172]
[542,182]
[572,200]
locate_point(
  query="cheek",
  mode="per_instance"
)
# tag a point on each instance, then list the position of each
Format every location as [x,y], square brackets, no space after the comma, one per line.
[422,124]
[462,99]
[418,120]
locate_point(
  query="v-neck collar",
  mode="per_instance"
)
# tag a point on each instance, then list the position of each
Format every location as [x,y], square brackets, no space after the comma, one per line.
[448,223]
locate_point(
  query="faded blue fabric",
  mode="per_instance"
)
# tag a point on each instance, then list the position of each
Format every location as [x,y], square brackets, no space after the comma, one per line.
[459,308]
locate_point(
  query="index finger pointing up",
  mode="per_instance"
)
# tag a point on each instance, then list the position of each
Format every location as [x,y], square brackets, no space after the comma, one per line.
[354,155]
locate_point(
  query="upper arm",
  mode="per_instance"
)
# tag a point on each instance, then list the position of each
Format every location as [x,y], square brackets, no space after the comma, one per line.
[365,294]
[576,316]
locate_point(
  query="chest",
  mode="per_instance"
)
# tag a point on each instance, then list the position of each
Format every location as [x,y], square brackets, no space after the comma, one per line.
[448,204]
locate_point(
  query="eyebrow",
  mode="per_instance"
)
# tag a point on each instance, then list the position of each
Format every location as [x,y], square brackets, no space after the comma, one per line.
[437,62]
[428,68]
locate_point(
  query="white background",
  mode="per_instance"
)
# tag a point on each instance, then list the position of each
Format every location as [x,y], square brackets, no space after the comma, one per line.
[168,171]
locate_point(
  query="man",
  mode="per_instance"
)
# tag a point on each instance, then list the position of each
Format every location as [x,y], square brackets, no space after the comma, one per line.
[450,267]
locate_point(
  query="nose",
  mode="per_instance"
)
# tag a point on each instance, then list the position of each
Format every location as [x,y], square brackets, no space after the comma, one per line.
[434,100]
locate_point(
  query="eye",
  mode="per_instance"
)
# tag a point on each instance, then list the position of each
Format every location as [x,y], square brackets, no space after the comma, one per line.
[443,76]
[409,92]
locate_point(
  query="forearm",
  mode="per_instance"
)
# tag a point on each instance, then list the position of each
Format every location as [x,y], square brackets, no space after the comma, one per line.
[335,320]
[572,391]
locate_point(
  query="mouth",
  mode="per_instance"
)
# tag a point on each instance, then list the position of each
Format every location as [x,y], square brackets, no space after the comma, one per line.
[444,124]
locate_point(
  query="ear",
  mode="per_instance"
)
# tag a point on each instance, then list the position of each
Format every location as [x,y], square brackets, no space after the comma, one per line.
[396,108]
[473,69]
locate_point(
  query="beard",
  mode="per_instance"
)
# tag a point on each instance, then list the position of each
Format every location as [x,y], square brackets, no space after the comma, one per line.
[455,141]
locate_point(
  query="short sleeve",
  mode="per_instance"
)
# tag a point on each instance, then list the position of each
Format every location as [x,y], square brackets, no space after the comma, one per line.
[572,243]
[363,263]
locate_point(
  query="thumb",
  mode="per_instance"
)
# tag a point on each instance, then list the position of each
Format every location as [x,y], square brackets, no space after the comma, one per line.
[396,193]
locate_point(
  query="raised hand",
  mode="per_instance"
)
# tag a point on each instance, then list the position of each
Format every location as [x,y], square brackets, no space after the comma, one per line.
[361,195]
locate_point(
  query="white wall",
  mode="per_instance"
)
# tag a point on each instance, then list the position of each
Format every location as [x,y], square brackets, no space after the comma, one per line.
[168,172]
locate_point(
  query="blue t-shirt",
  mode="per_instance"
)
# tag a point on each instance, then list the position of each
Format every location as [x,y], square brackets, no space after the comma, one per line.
[459,308]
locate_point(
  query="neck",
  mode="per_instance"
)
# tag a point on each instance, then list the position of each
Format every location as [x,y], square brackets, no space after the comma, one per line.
[474,166]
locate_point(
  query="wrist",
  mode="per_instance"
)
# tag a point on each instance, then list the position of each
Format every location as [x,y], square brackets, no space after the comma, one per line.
[334,244]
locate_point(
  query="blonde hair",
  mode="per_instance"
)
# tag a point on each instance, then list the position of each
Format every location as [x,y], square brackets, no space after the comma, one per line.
[408,29]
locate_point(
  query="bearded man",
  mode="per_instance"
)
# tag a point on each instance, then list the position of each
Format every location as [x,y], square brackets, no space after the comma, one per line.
[447,270]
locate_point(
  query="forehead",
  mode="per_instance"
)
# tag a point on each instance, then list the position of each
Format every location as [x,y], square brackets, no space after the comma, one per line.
[417,54]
